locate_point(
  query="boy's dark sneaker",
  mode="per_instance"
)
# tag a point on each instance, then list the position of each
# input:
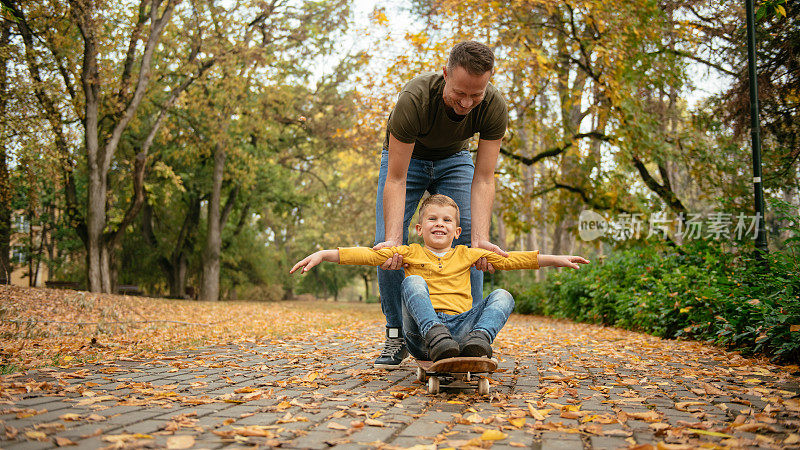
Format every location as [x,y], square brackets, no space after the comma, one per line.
[440,343]
[477,344]
[394,351]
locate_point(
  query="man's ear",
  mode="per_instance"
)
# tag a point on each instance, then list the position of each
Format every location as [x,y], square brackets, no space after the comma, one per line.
[458,232]
[444,71]
[418,227]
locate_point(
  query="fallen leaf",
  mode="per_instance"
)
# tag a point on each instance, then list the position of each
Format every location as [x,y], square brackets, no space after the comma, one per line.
[69,417]
[336,426]
[493,435]
[683,406]
[36,435]
[180,442]
[122,438]
[649,416]
[63,442]
[708,433]
[374,423]
[517,422]
[311,376]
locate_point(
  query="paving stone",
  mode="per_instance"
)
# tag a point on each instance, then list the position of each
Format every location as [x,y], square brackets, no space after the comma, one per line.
[144,427]
[314,440]
[423,427]
[608,443]
[28,445]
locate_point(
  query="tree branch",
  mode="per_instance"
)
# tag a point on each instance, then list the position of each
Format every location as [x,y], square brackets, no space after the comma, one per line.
[589,200]
[662,191]
[555,151]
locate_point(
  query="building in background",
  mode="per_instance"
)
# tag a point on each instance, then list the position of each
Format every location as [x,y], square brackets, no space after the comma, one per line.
[25,253]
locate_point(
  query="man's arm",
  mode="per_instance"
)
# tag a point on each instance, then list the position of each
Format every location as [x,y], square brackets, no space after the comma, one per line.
[394,199]
[482,197]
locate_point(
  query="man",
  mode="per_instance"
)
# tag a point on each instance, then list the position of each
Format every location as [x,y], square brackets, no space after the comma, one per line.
[426,149]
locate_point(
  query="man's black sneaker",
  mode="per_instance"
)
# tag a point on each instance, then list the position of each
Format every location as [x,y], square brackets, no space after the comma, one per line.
[440,343]
[394,351]
[477,344]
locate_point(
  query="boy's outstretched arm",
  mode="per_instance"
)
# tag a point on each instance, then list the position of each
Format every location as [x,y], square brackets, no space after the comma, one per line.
[561,261]
[315,258]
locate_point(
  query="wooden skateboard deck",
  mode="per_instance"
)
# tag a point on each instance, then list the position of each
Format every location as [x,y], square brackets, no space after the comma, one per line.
[456,373]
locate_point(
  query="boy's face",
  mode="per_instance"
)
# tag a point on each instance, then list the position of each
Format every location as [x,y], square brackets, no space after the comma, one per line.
[438,227]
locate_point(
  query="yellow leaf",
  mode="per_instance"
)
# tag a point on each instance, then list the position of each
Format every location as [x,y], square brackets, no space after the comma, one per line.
[475,418]
[180,442]
[125,437]
[493,435]
[781,10]
[518,422]
[794,328]
[374,423]
[792,439]
[311,376]
[38,435]
[708,433]
[336,426]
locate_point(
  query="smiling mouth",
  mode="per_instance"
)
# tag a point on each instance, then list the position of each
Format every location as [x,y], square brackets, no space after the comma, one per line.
[439,233]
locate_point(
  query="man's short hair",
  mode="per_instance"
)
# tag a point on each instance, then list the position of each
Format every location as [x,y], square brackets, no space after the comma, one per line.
[474,57]
[439,200]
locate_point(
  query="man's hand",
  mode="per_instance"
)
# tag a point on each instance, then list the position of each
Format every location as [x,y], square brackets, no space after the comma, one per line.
[483,264]
[561,261]
[396,261]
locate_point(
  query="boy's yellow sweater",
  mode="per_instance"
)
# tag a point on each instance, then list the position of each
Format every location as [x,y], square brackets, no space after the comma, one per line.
[447,276]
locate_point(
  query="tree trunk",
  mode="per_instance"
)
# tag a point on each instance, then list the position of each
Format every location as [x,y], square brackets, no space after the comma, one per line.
[5,179]
[210,287]
[99,157]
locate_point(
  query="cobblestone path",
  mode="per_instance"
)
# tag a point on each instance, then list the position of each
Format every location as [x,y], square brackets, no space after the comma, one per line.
[559,386]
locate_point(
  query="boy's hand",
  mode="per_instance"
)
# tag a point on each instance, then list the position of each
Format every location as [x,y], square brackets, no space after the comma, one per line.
[561,261]
[310,261]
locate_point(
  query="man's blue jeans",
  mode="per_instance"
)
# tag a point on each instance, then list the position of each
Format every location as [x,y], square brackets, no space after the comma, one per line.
[419,316]
[452,177]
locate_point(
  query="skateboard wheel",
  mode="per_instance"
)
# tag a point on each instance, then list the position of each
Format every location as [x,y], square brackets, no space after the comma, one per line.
[433,385]
[483,386]
[421,375]
[468,377]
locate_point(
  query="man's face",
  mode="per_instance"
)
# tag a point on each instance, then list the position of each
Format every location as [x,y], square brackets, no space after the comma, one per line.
[462,90]
[438,227]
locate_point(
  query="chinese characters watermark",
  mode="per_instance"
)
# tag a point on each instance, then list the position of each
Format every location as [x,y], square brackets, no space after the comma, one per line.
[716,225]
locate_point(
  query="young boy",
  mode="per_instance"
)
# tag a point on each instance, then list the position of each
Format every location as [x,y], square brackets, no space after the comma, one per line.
[438,319]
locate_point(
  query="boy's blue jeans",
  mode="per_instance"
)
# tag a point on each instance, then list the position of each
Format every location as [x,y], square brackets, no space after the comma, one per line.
[452,177]
[419,316]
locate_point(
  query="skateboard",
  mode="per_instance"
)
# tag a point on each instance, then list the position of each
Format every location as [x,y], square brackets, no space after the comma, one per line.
[458,373]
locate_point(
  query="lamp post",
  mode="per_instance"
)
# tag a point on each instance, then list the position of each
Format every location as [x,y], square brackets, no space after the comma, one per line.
[761,233]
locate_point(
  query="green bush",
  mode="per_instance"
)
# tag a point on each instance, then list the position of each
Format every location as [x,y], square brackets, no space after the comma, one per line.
[700,290]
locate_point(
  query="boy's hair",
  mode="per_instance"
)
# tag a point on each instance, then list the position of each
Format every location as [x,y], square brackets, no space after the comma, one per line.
[473,56]
[439,200]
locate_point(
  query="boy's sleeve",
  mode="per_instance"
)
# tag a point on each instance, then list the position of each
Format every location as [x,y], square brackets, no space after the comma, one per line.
[515,260]
[365,256]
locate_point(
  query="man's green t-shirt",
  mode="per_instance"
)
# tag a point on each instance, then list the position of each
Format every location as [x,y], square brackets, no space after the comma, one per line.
[420,117]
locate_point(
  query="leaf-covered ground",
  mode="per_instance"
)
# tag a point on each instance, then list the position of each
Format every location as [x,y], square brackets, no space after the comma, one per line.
[44,327]
[299,375]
